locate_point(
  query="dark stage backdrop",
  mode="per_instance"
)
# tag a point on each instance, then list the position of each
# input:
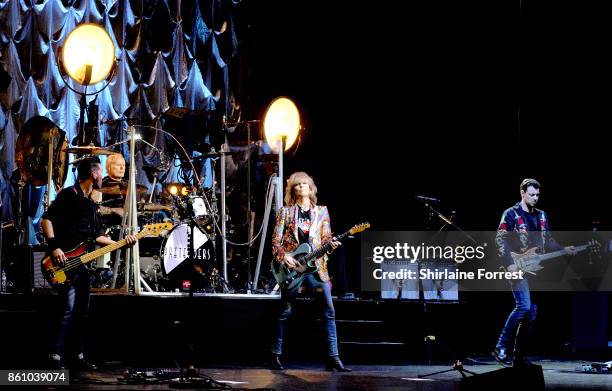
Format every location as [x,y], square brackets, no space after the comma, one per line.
[455,100]
[170,54]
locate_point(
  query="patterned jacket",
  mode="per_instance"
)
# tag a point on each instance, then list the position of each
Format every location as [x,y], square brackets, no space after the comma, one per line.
[513,234]
[285,237]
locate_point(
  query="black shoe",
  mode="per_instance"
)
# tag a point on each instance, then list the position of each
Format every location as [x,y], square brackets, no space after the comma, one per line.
[85,366]
[56,364]
[501,356]
[275,362]
[333,362]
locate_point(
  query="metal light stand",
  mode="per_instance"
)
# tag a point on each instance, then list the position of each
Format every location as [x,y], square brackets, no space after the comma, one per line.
[132,216]
[276,191]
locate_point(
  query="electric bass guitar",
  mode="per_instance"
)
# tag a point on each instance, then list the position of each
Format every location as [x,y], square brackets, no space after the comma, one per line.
[305,257]
[530,261]
[58,275]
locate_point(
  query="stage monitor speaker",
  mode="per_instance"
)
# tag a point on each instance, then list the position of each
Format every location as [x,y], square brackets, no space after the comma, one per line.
[39,281]
[507,379]
[23,271]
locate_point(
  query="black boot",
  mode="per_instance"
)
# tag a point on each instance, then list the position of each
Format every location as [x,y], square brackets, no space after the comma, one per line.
[275,362]
[333,362]
[55,362]
[501,355]
[85,366]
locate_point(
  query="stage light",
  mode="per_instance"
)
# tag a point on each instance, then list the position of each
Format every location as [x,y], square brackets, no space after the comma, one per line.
[173,190]
[184,191]
[281,122]
[88,55]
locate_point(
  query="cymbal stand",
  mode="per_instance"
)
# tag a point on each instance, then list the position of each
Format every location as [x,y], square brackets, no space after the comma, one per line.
[52,133]
[130,223]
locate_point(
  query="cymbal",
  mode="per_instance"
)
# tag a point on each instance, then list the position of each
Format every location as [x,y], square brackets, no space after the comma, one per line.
[89,150]
[117,189]
[32,152]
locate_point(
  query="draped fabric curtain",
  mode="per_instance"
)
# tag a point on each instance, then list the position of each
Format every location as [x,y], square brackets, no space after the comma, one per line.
[171,53]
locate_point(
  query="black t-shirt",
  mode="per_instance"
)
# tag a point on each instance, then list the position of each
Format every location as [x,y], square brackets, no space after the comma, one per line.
[303,223]
[74,218]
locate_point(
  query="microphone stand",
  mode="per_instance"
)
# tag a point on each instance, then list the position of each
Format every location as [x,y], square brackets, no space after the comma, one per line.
[446,220]
[430,337]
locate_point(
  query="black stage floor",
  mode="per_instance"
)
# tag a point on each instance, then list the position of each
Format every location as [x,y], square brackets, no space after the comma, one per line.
[381,339]
[558,375]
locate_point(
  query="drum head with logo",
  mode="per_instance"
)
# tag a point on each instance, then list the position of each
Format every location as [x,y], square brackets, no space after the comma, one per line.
[175,252]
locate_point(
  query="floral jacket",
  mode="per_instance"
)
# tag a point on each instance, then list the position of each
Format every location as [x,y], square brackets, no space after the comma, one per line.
[285,236]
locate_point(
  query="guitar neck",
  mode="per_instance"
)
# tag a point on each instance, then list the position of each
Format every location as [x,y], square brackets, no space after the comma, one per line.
[107,249]
[562,252]
[318,253]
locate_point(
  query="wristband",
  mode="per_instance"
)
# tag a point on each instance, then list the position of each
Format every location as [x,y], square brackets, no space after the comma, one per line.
[52,244]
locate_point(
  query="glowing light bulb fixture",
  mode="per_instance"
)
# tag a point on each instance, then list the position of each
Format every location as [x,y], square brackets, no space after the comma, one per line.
[88,55]
[282,120]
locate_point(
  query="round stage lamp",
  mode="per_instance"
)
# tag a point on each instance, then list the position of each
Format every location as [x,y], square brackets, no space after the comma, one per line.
[281,122]
[173,189]
[88,54]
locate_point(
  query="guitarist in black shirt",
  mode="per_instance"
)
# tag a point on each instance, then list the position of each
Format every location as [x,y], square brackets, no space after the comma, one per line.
[70,220]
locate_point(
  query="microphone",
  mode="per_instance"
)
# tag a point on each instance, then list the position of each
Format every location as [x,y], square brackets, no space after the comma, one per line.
[426,199]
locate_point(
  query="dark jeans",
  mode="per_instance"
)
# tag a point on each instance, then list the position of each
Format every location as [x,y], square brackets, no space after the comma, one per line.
[329,314]
[523,314]
[73,311]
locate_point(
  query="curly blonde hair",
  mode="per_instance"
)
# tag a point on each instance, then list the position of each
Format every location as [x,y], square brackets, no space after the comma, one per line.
[294,179]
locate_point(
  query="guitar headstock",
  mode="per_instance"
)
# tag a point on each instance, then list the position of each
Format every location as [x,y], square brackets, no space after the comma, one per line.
[359,228]
[156,229]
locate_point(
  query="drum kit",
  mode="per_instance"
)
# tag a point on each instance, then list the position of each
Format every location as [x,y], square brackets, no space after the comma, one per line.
[186,253]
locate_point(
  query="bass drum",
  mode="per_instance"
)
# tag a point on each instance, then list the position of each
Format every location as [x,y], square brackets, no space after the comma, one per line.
[174,254]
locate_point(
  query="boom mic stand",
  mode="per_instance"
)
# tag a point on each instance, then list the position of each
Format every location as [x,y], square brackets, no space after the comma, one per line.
[430,337]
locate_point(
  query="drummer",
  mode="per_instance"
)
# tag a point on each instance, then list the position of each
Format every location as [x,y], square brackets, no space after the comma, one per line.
[111,208]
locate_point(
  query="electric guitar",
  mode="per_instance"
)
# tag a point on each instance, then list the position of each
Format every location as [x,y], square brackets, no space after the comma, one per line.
[305,257]
[530,261]
[58,275]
